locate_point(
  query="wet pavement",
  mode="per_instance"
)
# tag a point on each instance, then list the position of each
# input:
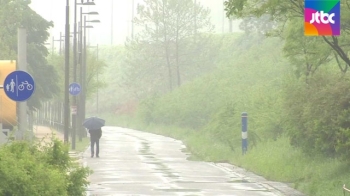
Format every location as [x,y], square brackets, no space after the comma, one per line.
[138,163]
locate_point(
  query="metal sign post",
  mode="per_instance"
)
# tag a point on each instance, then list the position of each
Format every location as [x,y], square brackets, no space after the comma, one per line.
[74,89]
[19,86]
[244,132]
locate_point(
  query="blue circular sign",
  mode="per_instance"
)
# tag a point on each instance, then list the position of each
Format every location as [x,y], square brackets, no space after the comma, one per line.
[19,85]
[74,89]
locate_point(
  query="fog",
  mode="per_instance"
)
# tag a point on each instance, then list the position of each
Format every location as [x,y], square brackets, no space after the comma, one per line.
[54,10]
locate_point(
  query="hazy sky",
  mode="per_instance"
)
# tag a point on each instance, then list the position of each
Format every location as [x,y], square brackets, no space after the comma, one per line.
[54,10]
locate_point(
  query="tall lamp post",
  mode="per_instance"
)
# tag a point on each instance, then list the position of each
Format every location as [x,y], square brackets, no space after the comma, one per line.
[63,36]
[82,66]
[75,62]
[66,79]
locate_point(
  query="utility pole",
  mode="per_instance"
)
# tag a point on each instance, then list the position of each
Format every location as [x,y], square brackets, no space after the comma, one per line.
[74,114]
[81,62]
[60,40]
[84,83]
[22,65]
[66,78]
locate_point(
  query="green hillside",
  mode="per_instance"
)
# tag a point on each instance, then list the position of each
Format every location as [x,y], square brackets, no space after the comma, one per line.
[290,116]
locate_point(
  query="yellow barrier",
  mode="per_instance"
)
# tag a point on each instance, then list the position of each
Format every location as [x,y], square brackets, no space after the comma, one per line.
[7,106]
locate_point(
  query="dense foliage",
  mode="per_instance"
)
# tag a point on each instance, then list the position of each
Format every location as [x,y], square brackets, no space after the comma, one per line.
[40,169]
[15,14]
[317,100]
[214,102]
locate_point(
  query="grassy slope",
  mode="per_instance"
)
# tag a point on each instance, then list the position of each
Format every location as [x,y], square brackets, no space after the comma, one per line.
[250,78]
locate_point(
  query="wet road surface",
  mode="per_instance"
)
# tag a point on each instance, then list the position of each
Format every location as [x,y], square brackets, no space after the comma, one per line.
[138,163]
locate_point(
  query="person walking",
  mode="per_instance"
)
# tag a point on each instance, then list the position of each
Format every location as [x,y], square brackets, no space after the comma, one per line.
[95,136]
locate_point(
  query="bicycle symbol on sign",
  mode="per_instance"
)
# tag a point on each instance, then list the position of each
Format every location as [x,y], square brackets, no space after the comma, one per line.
[21,86]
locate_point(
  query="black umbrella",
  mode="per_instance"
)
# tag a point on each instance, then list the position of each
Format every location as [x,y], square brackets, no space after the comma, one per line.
[93,123]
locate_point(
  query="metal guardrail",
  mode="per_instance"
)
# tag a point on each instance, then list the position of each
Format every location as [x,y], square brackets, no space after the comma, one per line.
[50,123]
[345,190]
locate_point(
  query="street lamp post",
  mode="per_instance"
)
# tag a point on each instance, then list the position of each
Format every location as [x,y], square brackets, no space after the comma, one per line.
[66,79]
[74,115]
[74,123]
[82,67]
[85,64]
[84,74]
[63,36]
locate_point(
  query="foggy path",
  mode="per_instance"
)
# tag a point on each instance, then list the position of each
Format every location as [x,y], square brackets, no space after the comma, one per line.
[138,163]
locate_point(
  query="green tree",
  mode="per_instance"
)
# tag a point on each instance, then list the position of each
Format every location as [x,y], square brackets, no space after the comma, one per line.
[95,68]
[283,12]
[170,38]
[306,54]
[316,111]
[261,25]
[17,13]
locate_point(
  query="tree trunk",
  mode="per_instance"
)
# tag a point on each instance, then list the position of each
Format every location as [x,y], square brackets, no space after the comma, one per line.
[166,44]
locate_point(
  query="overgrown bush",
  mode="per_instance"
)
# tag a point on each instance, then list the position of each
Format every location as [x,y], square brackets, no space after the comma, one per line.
[318,113]
[39,169]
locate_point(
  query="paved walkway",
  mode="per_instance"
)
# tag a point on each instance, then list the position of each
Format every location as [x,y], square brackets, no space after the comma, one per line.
[137,163]
[45,133]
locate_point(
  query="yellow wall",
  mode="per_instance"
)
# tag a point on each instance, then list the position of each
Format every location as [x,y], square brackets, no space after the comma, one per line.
[7,106]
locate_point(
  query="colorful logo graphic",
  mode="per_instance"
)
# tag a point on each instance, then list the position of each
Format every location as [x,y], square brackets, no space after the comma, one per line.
[322,17]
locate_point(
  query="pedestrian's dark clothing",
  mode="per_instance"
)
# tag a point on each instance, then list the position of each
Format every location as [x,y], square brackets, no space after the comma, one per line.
[95,136]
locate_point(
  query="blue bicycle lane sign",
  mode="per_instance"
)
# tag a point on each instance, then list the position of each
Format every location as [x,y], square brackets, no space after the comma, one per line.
[19,85]
[74,89]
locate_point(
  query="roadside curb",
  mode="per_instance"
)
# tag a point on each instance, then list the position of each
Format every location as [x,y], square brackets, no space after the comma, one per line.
[275,187]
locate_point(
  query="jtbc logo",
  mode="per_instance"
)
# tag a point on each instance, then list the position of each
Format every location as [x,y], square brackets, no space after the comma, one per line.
[316,17]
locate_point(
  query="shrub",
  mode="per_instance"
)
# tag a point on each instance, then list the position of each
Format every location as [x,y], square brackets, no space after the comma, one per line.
[318,114]
[40,169]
